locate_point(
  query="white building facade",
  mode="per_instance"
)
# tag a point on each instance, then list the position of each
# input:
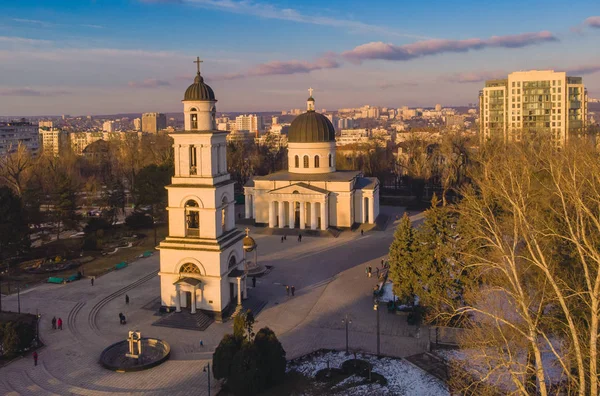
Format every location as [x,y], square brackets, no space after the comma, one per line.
[201,260]
[311,194]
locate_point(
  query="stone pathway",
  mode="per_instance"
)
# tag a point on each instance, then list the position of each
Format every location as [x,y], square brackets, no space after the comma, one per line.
[330,283]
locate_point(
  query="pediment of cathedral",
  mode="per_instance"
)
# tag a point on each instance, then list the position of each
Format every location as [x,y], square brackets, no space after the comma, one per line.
[300,188]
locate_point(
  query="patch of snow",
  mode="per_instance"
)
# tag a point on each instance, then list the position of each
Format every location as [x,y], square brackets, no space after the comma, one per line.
[403,377]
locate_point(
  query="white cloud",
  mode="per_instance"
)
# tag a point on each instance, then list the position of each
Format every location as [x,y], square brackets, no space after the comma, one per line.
[269,11]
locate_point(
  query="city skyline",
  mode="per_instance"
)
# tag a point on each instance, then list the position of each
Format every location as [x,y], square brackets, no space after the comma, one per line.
[136,55]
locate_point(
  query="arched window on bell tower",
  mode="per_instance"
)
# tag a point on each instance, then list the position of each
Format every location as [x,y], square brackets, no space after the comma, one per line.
[193,118]
[192,219]
[224,215]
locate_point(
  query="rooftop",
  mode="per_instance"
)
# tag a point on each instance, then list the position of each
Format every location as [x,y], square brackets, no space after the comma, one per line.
[338,176]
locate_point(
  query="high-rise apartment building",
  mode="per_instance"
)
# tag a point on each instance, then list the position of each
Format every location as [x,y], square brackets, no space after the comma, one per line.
[53,140]
[137,124]
[153,122]
[536,100]
[108,126]
[252,123]
[18,132]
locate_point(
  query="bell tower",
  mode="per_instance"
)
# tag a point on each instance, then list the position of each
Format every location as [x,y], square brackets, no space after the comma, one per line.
[203,247]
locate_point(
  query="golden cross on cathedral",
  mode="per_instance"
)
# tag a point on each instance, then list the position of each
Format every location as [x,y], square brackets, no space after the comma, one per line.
[310,91]
[247,231]
[198,61]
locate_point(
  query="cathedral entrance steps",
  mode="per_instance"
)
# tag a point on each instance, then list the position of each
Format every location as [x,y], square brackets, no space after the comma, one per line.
[185,320]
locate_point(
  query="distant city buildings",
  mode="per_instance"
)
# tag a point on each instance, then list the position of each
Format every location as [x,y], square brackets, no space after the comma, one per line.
[18,132]
[252,123]
[153,122]
[53,140]
[108,126]
[137,124]
[352,136]
[536,100]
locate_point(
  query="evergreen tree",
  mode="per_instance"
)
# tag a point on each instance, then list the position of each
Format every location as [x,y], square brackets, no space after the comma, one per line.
[436,262]
[271,356]
[14,231]
[402,272]
[224,355]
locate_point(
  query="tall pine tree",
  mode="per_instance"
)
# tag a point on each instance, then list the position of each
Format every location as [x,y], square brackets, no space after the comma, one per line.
[436,261]
[402,272]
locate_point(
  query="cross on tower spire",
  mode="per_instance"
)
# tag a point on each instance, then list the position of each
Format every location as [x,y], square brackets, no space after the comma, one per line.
[310,91]
[247,231]
[197,62]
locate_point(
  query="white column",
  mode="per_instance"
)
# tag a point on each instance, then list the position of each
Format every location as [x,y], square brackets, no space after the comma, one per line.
[313,216]
[193,300]
[292,214]
[371,210]
[239,296]
[177,299]
[281,214]
[302,215]
[247,205]
[272,214]
[324,215]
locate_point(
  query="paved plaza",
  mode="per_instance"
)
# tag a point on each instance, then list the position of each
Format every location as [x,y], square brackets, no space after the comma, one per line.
[329,277]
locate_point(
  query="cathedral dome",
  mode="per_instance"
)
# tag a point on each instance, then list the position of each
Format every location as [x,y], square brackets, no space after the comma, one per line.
[311,127]
[199,90]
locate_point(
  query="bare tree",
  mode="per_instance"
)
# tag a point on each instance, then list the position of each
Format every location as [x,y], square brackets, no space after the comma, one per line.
[534,237]
[15,166]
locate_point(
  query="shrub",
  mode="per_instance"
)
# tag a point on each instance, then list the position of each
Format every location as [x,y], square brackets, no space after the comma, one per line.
[96,224]
[10,338]
[139,220]
[271,356]
[246,377]
[224,355]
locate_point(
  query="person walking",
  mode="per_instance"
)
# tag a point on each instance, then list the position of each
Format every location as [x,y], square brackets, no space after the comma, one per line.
[370,271]
[35,358]
[362,232]
[59,323]
[254,281]
[382,265]
[92,280]
[285,237]
[377,272]
[126,298]
[287,290]
[367,270]
[293,290]
[54,323]
[282,239]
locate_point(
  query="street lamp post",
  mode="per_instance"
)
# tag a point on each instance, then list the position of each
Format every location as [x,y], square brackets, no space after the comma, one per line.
[376,308]
[207,370]
[19,296]
[346,321]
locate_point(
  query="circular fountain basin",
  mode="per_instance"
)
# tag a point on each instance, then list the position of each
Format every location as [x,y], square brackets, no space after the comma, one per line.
[154,352]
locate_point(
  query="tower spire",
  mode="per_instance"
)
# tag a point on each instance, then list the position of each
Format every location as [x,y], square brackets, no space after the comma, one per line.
[197,62]
[310,102]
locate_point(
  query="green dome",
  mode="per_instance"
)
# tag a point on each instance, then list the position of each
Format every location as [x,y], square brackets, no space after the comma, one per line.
[199,90]
[311,127]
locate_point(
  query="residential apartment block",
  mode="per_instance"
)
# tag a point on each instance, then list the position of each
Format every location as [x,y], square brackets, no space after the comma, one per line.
[536,100]
[14,133]
[153,122]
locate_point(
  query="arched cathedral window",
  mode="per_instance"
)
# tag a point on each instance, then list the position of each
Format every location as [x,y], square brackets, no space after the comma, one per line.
[330,160]
[189,268]
[306,161]
[316,161]
[297,161]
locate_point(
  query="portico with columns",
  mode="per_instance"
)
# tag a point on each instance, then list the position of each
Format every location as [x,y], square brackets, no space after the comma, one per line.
[312,194]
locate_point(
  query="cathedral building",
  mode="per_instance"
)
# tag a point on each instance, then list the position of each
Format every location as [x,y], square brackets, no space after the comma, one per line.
[312,194]
[202,259]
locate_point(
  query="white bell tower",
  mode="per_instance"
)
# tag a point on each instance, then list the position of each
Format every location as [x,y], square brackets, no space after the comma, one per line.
[201,259]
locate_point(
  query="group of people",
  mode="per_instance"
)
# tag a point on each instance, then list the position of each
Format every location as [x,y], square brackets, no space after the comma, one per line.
[369,269]
[284,238]
[289,289]
[56,323]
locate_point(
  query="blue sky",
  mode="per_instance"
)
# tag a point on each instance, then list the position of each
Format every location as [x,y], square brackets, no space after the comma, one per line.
[108,56]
